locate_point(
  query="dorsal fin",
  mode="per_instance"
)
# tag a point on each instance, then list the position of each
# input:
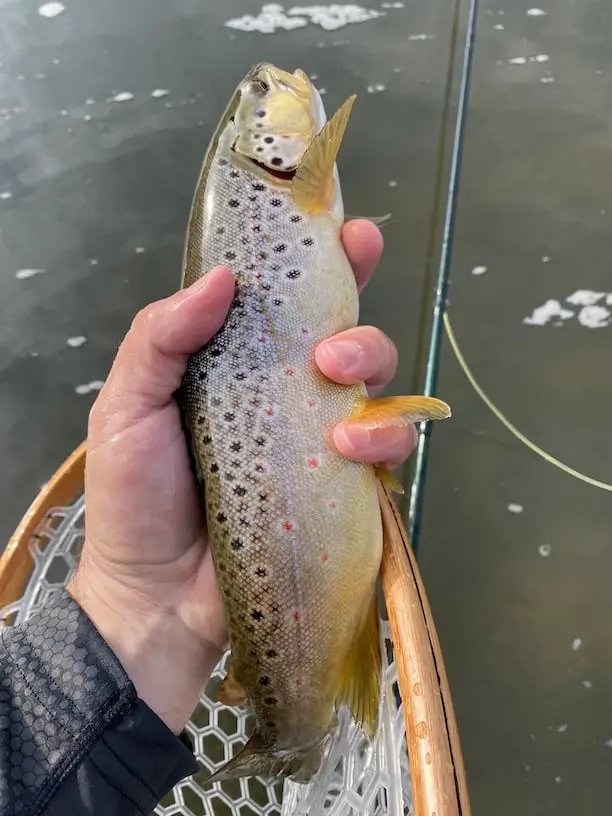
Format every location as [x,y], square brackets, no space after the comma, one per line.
[313,184]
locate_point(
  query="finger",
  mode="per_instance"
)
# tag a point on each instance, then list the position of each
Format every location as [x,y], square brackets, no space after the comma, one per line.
[363,244]
[152,358]
[363,354]
[389,445]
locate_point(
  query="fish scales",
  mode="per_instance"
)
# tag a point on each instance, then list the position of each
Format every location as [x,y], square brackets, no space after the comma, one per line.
[295,527]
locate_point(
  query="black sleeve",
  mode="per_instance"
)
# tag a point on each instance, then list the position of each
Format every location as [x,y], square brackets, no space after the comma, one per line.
[74,737]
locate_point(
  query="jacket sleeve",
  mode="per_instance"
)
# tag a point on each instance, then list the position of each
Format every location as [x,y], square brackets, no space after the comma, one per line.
[74,737]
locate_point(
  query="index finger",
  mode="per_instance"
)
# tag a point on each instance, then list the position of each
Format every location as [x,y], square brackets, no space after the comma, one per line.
[363,244]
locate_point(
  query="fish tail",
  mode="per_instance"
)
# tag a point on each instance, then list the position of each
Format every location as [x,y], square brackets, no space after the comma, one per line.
[260,757]
[361,679]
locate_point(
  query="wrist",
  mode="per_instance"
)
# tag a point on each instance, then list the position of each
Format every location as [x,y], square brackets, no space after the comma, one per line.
[168,666]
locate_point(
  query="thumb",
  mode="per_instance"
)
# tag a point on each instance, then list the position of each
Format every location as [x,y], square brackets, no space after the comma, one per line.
[152,358]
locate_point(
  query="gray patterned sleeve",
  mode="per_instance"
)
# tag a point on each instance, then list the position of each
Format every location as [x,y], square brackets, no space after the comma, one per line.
[74,737]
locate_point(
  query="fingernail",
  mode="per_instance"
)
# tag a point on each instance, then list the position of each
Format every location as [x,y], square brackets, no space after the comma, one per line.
[353,438]
[346,354]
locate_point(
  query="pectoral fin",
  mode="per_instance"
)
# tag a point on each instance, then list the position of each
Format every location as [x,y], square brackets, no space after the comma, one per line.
[313,183]
[361,679]
[387,412]
[389,479]
[378,220]
[231,692]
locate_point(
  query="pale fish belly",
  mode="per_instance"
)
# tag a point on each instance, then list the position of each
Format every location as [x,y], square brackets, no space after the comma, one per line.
[295,528]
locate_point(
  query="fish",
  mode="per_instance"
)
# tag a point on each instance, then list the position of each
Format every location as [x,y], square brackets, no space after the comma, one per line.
[294,527]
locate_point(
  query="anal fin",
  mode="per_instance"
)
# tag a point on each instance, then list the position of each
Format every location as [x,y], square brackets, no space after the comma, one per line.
[361,680]
[231,692]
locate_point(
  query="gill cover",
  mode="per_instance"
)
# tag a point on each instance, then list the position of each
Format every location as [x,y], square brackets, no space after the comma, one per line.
[276,118]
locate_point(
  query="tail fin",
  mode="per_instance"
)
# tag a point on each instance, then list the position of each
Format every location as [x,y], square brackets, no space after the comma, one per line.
[362,673]
[260,757]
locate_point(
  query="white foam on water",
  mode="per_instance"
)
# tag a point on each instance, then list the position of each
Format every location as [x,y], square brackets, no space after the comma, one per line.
[545,313]
[76,342]
[515,508]
[377,88]
[6,195]
[90,101]
[535,12]
[479,270]
[51,9]
[544,550]
[585,297]
[122,96]
[576,644]
[498,27]
[273,17]
[87,388]
[517,60]
[24,274]
[139,250]
[594,317]
[417,37]
[393,183]
[587,684]
[158,93]
[561,729]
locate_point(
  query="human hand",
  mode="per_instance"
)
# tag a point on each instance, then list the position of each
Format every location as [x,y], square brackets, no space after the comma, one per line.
[146,576]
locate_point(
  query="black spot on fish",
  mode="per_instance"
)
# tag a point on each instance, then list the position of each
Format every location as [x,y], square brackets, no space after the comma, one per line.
[276,161]
[271,726]
[230,256]
[220,230]
[263,255]
[263,497]
[216,352]
[229,417]
[235,463]
[201,420]
[260,572]
[260,440]
[257,185]
[276,202]
[221,518]
[308,241]
[244,522]
[233,203]
[278,302]
[202,375]
[271,701]
[240,491]
[296,218]
[259,149]
[264,681]
[206,440]
[257,614]
[272,653]
[293,274]
[269,139]
[234,173]
[236,446]
[280,248]
[239,375]
[214,468]
[260,113]
[237,544]
[223,162]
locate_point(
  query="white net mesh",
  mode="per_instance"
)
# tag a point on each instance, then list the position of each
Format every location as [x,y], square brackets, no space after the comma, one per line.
[356,777]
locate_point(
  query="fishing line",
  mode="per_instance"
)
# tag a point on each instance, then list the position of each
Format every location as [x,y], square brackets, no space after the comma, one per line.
[506,422]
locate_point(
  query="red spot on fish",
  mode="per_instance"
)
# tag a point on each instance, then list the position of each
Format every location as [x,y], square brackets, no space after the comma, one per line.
[287,525]
[332,504]
[290,372]
[298,682]
[270,411]
[259,276]
[312,403]
[324,557]
[296,616]
[313,463]
[261,339]
[304,331]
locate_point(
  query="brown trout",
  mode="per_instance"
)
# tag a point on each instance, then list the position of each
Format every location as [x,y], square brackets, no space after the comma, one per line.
[295,528]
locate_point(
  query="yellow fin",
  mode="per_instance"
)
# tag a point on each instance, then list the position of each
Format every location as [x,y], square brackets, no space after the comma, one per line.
[361,678]
[313,183]
[390,481]
[231,692]
[385,412]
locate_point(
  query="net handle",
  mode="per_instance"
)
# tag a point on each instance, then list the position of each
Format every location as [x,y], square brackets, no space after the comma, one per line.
[437,767]
[16,562]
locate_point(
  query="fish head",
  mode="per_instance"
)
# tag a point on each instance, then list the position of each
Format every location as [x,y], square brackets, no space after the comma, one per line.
[276,117]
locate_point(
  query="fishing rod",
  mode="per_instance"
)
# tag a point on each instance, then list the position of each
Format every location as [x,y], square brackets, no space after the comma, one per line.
[416,496]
